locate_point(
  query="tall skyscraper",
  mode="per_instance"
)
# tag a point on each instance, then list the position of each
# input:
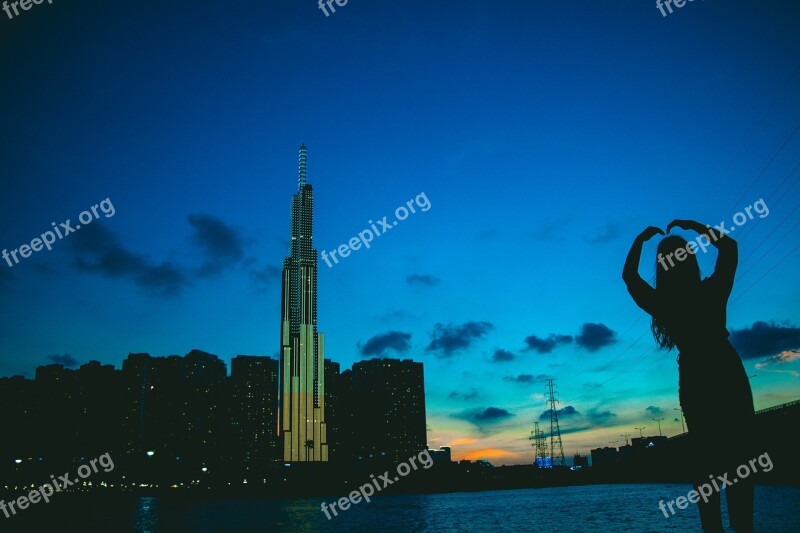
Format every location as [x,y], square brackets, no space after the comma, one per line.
[302,420]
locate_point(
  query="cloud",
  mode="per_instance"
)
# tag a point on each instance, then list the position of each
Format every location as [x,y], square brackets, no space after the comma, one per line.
[486,419]
[600,417]
[378,345]
[423,280]
[765,339]
[472,394]
[491,414]
[448,339]
[527,378]
[97,250]
[655,411]
[221,244]
[595,336]
[605,233]
[263,278]
[502,356]
[789,356]
[563,413]
[397,314]
[547,345]
[546,231]
[65,360]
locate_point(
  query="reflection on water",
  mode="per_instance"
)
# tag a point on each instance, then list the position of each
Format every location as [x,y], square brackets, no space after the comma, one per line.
[564,509]
[145,519]
[597,507]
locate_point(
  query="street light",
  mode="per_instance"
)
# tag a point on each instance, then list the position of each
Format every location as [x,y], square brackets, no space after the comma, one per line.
[659,424]
[682,424]
[150,453]
[640,431]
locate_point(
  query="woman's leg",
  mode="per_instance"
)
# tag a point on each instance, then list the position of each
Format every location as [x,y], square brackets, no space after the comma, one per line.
[740,506]
[710,514]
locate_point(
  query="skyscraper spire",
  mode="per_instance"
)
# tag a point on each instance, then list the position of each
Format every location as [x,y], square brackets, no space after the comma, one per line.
[301,174]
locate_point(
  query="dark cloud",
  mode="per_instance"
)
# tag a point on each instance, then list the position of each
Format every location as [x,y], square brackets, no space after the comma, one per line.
[491,414]
[97,250]
[423,280]
[65,360]
[471,395]
[563,413]
[600,417]
[595,336]
[547,345]
[655,411]
[263,278]
[486,419]
[221,244]
[448,339]
[765,339]
[527,378]
[378,345]
[502,356]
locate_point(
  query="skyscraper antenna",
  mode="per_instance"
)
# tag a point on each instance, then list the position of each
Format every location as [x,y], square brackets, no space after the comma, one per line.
[301,174]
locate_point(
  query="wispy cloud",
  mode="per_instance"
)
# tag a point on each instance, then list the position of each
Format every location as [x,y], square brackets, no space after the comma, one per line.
[422,280]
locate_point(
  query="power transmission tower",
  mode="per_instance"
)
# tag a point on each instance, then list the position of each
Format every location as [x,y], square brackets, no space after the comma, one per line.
[555,431]
[540,443]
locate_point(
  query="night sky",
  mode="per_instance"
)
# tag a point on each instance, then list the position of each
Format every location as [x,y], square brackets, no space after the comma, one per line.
[545,135]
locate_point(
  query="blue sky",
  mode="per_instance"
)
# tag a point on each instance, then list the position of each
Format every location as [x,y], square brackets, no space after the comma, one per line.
[545,135]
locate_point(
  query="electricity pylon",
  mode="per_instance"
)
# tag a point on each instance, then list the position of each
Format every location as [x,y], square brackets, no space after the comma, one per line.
[555,431]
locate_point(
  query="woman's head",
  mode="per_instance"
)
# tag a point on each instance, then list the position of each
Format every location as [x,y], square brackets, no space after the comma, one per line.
[671,273]
[674,281]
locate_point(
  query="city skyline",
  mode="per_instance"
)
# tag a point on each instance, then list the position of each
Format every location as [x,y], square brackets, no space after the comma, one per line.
[547,137]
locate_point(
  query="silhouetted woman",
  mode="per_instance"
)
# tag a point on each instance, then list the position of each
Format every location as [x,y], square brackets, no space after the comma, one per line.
[690,313]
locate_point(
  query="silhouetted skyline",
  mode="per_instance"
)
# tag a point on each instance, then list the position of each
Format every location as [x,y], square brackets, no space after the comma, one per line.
[546,136]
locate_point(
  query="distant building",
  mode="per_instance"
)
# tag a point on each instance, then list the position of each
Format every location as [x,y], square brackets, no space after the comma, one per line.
[442,456]
[253,413]
[580,461]
[604,457]
[175,409]
[648,442]
[389,410]
[335,410]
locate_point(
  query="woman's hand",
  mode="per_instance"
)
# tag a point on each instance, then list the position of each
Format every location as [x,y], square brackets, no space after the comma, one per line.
[691,225]
[650,232]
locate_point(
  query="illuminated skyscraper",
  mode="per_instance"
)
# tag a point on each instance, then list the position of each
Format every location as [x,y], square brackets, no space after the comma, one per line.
[302,419]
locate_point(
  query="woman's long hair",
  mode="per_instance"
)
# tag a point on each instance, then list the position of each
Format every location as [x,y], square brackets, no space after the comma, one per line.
[673,284]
